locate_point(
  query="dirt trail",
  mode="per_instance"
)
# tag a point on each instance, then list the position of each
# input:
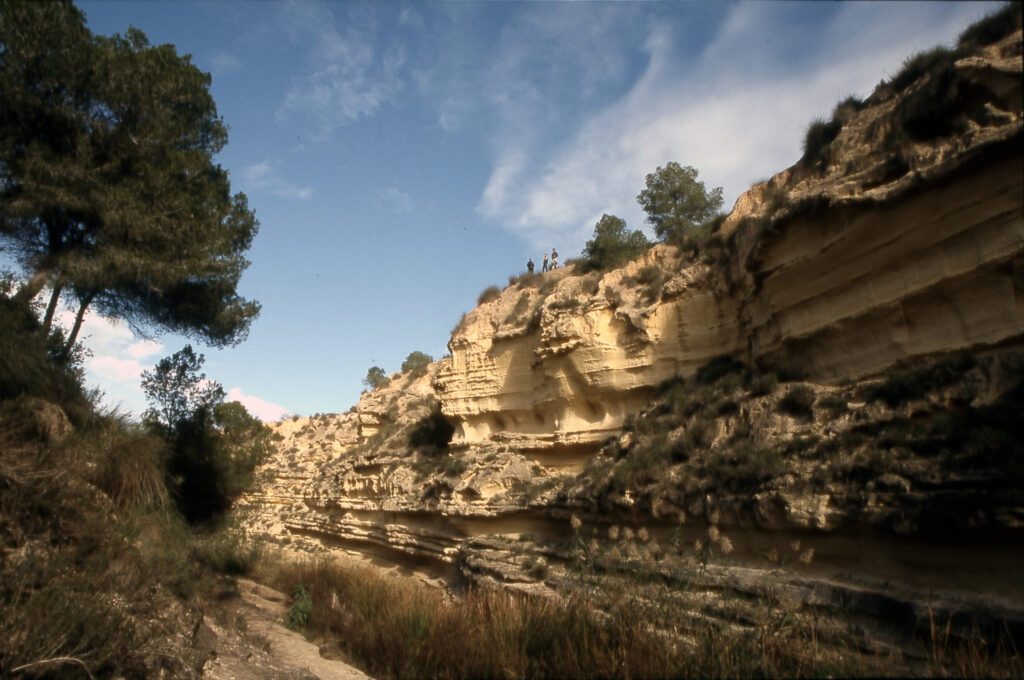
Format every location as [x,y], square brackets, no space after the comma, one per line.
[248,641]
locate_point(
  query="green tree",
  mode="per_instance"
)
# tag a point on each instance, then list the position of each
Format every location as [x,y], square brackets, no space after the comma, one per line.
[677,203]
[613,244]
[375,377]
[109,194]
[214,446]
[416,363]
[177,388]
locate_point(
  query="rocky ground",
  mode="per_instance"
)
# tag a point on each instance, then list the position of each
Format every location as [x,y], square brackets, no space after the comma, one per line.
[246,639]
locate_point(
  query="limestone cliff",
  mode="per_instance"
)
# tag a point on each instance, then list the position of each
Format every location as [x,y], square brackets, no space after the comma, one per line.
[821,400]
[881,254]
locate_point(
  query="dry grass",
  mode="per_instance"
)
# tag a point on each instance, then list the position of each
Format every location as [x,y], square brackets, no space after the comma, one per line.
[394,628]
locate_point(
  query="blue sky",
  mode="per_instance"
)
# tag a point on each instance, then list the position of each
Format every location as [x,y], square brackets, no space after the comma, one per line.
[401,157]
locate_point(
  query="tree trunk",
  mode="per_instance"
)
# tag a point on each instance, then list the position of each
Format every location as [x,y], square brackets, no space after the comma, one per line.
[32,287]
[51,308]
[86,301]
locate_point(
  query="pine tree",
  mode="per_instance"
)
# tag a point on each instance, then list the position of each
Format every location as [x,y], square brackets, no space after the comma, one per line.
[108,190]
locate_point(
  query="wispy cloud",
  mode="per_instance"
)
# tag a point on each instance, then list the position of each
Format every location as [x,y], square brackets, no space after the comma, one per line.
[738,114]
[262,409]
[223,62]
[394,200]
[117,358]
[348,76]
[263,177]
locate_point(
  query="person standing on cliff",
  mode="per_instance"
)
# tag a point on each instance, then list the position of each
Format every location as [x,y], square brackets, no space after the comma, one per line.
[529,265]
[544,265]
[554,258]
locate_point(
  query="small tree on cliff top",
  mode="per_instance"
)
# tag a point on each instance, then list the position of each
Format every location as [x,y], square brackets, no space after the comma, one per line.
[416,363]
[677,203]
[613,244]
[375,377]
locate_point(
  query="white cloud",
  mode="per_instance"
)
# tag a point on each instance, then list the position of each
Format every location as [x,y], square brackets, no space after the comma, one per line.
[394,200]
[738,114]
[262,409]
[117,359]
[348,76]
[263,177]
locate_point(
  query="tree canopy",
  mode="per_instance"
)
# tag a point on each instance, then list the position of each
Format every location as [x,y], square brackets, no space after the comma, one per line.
[416,362]
[375,377]
[109,194]
[214,446]
[176,388]
[613,244]
[676,202]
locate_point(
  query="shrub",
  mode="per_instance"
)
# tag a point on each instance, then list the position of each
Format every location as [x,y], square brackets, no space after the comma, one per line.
[591,284]
[819,135]
[902,386]
[652,277]
[564,303]
[834,404]
[613,244]
[416,363]
[522,306]
[489,294]
[845,109]
[527,280]
[993,27]
[547,285]
[761,384]
[935,61]
[128,463]
[302,603]
[798,401]
[375,377]
[717,368]
[453,466]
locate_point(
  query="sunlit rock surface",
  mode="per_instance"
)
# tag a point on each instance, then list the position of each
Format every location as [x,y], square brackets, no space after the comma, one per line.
[881,256]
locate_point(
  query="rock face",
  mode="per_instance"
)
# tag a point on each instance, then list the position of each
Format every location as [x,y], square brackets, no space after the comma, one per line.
[839,271]
[629,421]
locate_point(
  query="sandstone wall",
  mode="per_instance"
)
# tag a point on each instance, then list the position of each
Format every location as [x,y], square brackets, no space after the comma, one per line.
[881,257]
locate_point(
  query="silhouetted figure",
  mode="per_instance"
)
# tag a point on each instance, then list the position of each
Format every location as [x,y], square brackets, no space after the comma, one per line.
[529,265]
[544,266]
[554,259]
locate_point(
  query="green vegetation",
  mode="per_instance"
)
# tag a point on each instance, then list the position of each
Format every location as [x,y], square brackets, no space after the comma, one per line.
[416,364]
[375,377]
[110,200]
[564,303]
[109,194]
[819,135]
[992,28]
[902,386]
[652,277]
[613,244]
[489,294]
[214,446]
[677,204]
[302,603]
